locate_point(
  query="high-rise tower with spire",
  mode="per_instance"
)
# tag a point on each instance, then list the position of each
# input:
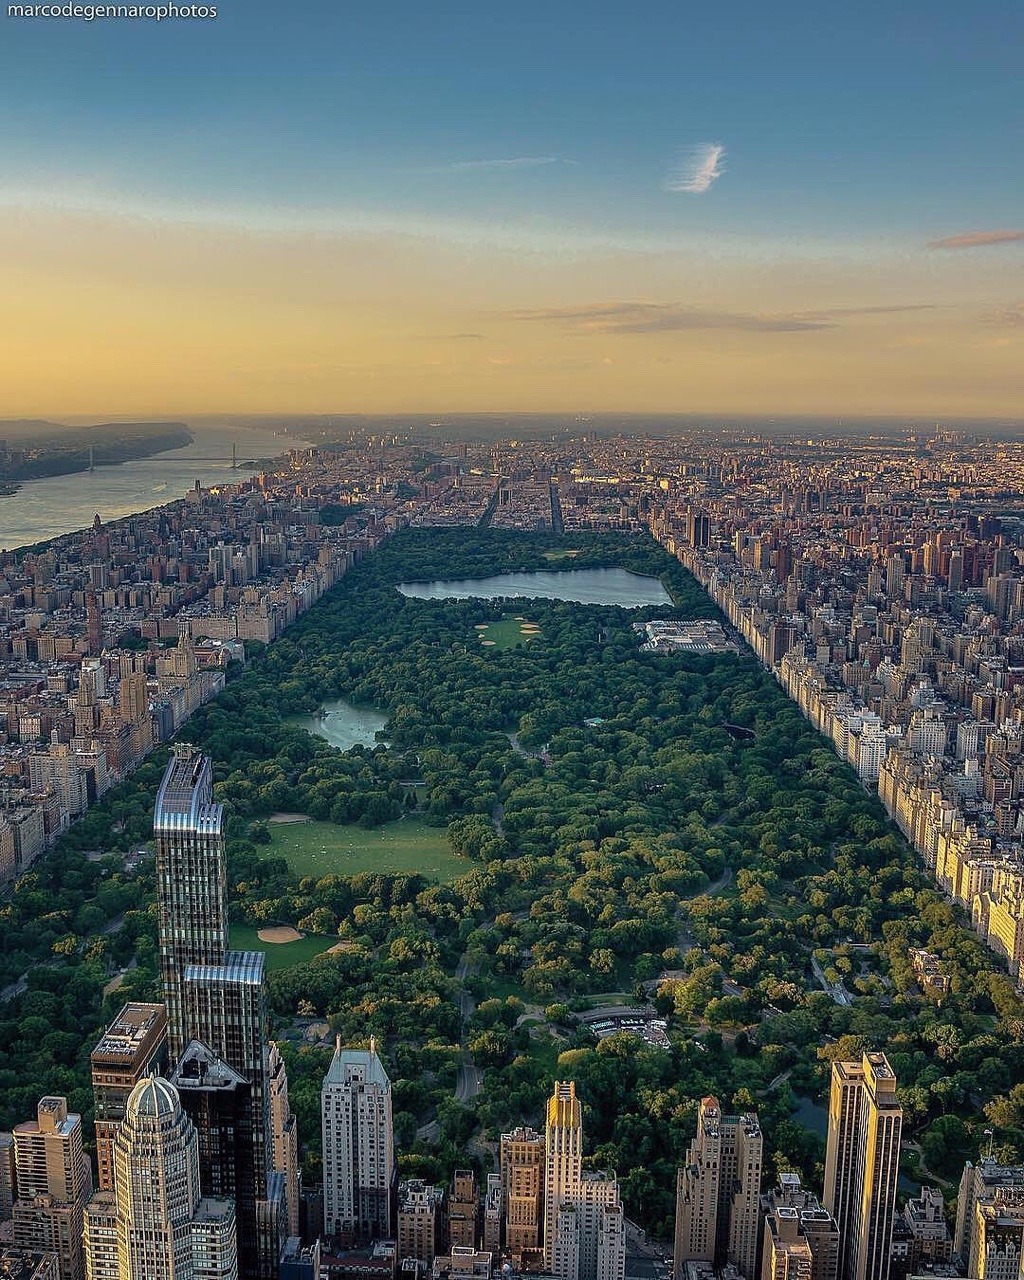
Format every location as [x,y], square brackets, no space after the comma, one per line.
[358,1146]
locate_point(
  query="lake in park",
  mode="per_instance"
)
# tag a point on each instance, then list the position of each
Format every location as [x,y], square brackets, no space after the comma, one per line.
[343,725]
[616,587]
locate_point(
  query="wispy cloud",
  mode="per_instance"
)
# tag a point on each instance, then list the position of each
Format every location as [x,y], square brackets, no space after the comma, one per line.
[664,317]
[977,239]
[1011,317]
[696,169]
[450,337]
[509,162]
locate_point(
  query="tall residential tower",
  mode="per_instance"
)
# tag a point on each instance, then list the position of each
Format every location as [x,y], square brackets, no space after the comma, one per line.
[358,1145]
[718,1218]
[862,1160]
[584,1226]
[191,878]
[216,997]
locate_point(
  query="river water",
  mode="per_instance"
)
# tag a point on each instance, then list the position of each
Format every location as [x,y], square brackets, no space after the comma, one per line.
[577,586]
[53,505]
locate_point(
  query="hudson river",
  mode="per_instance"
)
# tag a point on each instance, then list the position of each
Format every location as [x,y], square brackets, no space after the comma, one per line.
[60,504]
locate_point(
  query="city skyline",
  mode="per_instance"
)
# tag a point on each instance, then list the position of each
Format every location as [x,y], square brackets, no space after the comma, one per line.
[328,211]
[881,584]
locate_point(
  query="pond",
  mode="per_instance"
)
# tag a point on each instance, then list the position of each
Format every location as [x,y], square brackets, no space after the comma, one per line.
[343,725]
[616,587]
[812,1115]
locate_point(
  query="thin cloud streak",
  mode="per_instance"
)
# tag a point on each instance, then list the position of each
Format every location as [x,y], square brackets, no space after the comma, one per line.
[663,317]
[977,239]
[697,169]
[512,162]
[511,235]
[1011,317]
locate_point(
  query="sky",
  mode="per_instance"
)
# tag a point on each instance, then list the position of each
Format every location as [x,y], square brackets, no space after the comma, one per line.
[327,206]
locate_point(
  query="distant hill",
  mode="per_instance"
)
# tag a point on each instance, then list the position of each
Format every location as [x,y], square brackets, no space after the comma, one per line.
[30,448]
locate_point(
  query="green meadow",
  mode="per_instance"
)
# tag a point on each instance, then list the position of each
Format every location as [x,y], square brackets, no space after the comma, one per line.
[506,634]
[408,846]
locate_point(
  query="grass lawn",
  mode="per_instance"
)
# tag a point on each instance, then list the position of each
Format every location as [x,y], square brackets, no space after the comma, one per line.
[506,634]
[280,955]
[408,845]
[545,1049]
[560,555]
[501,985]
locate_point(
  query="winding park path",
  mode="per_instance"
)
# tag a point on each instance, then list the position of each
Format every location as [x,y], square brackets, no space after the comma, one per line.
[469,1078]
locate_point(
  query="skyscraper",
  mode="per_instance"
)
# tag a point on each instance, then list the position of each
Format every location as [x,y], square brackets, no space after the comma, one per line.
[218,1101]
[419,1221]
[697,1191]
[191,881]
[718,1217]
[463,1207]
[862,1162]
[226,1006]
[284,1138]
[8,1182]
[358,1146]
[522,1180]
[988,1181]
[794,1216]
[563,1158]
[54,1180]
[215,996]
[584,1233]
[130,1048]
[100,1237]
[165,1229]
[740,1191]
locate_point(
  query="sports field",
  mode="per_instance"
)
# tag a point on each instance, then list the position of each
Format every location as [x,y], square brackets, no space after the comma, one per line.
[408,845]
[280,955]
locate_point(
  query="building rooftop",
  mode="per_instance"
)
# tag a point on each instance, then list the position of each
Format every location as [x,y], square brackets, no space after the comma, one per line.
[185,799]
[22,1264]
[350,1066]
[238,967]
[200,1068]
[131,1032]
[214,1209]
[153,1099]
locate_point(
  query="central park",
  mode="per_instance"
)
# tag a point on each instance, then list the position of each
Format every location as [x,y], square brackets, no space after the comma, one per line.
[547,822]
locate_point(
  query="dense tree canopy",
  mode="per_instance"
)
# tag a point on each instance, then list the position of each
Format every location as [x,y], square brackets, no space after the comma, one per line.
[620,835]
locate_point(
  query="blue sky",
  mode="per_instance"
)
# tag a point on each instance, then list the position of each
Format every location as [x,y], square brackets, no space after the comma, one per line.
[842,131]
[902,119]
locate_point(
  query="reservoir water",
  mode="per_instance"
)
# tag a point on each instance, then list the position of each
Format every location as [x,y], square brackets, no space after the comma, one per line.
[53,505]
[577,586]
[344,725]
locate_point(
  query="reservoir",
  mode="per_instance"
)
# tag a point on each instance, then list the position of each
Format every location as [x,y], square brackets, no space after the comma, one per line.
[343,725]
[54,505]
[616,587]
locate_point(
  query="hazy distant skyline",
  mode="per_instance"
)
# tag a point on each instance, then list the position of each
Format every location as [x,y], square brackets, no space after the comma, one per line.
[321,208]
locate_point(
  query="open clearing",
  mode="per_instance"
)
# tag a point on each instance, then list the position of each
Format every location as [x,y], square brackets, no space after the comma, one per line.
[280,955]
[407,846]
[279,933]
[508,633]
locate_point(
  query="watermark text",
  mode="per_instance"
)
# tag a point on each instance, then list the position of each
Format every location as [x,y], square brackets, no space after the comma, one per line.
[95,12]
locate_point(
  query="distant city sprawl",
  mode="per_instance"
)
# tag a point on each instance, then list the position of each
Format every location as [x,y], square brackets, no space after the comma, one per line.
[879,578]
[600,871]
